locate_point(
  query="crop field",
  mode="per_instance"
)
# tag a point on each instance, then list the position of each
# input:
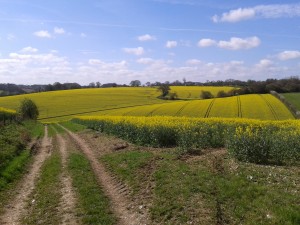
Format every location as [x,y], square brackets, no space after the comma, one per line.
[61,105]
[293,98]
[265,107]
[194,92]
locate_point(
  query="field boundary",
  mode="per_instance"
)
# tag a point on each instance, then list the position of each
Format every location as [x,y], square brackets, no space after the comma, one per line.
[290,106]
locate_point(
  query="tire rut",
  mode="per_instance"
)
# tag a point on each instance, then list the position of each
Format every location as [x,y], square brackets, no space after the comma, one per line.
[120,204]
[17,208]
[68,200]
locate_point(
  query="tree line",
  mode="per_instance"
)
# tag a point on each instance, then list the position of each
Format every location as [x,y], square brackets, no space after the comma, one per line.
[291,84]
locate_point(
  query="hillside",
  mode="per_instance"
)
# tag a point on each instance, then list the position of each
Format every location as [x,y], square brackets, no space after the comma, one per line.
[253,106]
[64,104]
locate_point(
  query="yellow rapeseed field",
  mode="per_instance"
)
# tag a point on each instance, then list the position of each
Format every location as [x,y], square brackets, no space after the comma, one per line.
[254,106]
[247,139]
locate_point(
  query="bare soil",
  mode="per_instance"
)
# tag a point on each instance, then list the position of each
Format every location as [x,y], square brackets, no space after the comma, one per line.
[68,201]
[17,207]
[116,191]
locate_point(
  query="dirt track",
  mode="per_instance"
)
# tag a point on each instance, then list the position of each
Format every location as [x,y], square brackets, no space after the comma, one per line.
[14,211]
[120,204]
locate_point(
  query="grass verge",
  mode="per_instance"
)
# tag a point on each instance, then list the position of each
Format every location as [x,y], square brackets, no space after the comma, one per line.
[44,202]
[94,206]
[211,189]
[74,127]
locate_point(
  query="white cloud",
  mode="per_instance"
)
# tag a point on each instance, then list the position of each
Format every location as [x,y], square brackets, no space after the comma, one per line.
[238,43]
[206,42]
[193,62]
[145,61]
[42,34]
[265,63]
[83,35]
[171,44]
[29,49]
[58,30]
[135,51]
[234,43]
[287,55]
[259,11]
[146,37]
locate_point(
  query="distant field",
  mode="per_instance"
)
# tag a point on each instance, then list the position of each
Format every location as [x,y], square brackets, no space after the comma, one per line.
[64,104]
[184,92]
[293,98]
[265,107]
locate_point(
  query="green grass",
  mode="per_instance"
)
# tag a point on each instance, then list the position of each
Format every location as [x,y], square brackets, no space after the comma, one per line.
[14,169]
[211,189]
[128,165]
[94,206]
[293,98]
[44,209]
[74,127]
[35,128]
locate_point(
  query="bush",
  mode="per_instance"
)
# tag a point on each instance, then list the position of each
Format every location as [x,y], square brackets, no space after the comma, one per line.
[206,95]
[28,110]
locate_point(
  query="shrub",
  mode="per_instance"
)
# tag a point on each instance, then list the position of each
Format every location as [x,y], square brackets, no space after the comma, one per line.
[28,110]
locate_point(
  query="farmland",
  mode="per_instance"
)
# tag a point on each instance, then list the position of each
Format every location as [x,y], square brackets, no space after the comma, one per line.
[63,104]
[293,98]
[253,106]
[144,159]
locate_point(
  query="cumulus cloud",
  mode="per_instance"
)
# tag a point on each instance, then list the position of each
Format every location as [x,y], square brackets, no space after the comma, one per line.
[42,34]
[206,42]
[287,55]
[134,51]
[58,30]
[259,11]
[29,49]
[238,43]
[171,44]
[265,63]
[193,62]
[145,61]
[146,37]
[234,43]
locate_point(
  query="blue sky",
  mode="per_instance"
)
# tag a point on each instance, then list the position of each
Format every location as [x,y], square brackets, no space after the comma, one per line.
[86,41]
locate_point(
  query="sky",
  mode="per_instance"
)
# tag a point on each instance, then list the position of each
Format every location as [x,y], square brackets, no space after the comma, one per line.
[83,41]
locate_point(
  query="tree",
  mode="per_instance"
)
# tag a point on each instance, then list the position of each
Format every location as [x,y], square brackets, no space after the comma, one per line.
[135,83]
[92,85]
[98,84]
[164,88]
[28,109]
[206,95]
[222,94]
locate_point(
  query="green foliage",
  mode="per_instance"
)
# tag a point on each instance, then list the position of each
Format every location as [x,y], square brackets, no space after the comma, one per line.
[247,140]
[47,194]
[28,109]
[7,115]
[164,89]
[206,95]
[94,205]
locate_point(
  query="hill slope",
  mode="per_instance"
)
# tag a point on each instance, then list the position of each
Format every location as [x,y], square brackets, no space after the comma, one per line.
[265,107]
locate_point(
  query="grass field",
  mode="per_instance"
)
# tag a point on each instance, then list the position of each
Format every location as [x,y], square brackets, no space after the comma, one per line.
[293,98]
[253,106]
